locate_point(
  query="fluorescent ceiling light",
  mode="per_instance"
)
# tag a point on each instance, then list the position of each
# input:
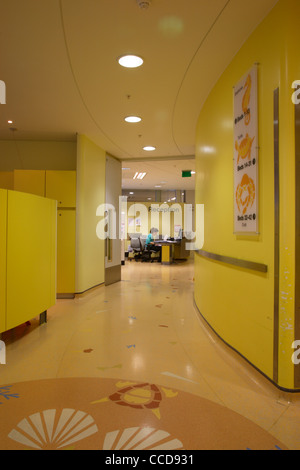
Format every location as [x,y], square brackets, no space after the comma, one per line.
[133,119]
[130,61]
[125,169]
[139,176]
[149,148]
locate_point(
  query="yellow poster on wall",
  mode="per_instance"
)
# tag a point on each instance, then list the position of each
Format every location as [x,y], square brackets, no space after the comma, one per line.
[246,154]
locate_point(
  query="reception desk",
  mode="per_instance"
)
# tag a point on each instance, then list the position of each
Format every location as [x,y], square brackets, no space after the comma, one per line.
[172,250]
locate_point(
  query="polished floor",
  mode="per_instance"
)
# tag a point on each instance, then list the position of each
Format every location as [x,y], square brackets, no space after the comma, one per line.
[134,366]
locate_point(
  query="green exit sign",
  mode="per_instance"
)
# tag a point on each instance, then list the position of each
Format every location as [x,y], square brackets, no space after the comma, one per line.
[187,174]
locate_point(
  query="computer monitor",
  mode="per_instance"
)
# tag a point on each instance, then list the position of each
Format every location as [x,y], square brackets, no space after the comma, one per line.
[180,234]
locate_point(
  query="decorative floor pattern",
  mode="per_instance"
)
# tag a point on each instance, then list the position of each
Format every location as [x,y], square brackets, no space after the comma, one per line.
[106,414]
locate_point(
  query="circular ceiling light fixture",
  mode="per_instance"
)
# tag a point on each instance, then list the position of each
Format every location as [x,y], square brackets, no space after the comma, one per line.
[130,61]
[133,119]
[144,4]
[149,148]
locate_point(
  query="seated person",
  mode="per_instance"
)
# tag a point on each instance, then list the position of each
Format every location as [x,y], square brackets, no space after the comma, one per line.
[150,244]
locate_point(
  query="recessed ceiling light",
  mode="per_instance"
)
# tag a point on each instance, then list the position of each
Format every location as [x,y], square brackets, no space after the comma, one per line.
[10,122]
[193,172]
[133,119]
[130,61]
[158,186]
[131,194]
[149,148]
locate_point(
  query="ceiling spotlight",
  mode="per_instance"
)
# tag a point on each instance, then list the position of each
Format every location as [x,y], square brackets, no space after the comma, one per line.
[133,119]
[10,122]
[149,148]
[130,61]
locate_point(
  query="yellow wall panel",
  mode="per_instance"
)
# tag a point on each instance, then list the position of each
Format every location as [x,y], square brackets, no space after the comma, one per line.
[7,179]
[31,256]
[30,181]
[61,185]
[66,229]
[239,303]
[90,250]
[3,228]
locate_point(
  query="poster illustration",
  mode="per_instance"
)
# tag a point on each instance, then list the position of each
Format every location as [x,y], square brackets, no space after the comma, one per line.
[246,154]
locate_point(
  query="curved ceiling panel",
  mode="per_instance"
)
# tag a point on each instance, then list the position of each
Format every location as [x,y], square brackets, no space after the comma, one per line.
[59,62]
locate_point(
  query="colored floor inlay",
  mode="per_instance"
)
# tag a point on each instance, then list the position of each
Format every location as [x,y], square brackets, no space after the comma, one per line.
[105,414]
[133,364]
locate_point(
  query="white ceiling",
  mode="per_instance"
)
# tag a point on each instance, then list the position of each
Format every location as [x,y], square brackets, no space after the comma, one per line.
[166,174]
[58,60]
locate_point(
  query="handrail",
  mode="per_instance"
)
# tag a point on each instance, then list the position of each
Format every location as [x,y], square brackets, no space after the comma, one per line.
[263,268]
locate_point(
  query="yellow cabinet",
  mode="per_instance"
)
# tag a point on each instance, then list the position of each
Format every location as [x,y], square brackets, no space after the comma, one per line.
[3,230]
[61,186]
[31,247]
[30,181]
[66,229]
[7,179]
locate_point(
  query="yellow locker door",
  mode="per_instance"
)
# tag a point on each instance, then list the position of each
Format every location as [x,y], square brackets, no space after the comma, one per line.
[30,181]
[66,228]
[3,228]
[31,250]
[61,186]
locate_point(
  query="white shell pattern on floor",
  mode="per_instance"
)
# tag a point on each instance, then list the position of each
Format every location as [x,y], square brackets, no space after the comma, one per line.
[141,439]
[51,429]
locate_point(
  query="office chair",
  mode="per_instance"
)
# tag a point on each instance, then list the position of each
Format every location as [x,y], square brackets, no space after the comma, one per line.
[136,248]
[147,254]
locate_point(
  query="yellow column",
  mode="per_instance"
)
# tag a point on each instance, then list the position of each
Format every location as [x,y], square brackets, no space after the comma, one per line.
[3,230]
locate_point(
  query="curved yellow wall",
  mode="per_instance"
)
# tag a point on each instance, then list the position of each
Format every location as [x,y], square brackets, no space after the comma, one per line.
[239,303]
